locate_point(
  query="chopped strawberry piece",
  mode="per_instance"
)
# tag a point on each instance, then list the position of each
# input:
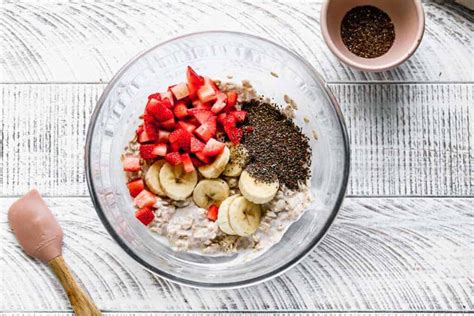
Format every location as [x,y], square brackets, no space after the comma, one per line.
[145,198]
[239,115]
[196,145]
[140,129]
[180,110]
[180,135]
[192,92]
[169,124]
[146,151]
[131,163]
[229,122]
[211,82]
[168,97]
[199,105]
[193,121]
[235,135]
[193,78]
[221,118]
[201,156]
[145,215]
[156,96]
[187,126]
[248,129]
[196,162]
[220,102]
[187,163]
[231,98]
[180,91]
[135,187]
[174,147]
[213,148]
[207,92]
[144,137]
[159,110]
[202,115]
[207,130]
[163,136]
[212,212]
[174,158]
[160,149]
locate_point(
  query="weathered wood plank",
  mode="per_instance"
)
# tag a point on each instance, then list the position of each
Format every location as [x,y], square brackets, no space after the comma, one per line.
[89,41]
[410,139]
[382,254]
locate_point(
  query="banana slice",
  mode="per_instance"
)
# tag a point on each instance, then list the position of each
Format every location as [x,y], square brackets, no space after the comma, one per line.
[244,216]
[257,191]
[232,169]
[223,215]
[214,169]
[177,184]
[209,192]
[238,154]
[152,178]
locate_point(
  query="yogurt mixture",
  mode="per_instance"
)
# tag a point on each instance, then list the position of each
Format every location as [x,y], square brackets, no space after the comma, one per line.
[230,176]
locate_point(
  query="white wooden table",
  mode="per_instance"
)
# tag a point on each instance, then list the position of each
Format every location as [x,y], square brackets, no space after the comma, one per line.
[403,241]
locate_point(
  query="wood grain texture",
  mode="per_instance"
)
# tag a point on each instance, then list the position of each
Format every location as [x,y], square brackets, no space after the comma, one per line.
[89,41]
[404,254]
[406,139]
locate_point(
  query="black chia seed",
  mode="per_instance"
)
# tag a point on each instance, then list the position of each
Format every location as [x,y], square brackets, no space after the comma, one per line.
[277,147]
[367,31]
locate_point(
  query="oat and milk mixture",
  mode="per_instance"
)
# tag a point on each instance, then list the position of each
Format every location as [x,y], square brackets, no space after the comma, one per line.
[216,169]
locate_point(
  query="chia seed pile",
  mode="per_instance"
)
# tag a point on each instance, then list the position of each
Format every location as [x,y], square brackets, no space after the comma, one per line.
[277,147]
[367,31]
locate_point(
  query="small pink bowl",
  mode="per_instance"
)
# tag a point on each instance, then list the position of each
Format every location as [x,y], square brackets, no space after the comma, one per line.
[407,17]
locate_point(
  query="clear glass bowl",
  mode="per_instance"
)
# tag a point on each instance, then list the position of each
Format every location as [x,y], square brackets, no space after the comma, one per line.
[216,54]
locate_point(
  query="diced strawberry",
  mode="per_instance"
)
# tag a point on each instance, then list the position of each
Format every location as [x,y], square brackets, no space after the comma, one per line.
[221,118]
[168,95]
[187,126]
[174,158]
[145,198]
[207,130]
[239,115]
[211,82]
[140,129]
[156,96]
[201,156]
[212,212]
[231,98]
[168,125]
[207,92]
[131,163]
[180,91]
[179,135]
[187,163]
[159,110]
[196,145]
[174,147]
[163,136]
[213,148]
[235,135]
[202,115]
[199,105]
[160,149]
[196,162]
[180,110]
[144,137]
[220,102]
[229,122]
[135,187]
[145,215]
[194,121]
[146,151]
[193,78]
[192,92]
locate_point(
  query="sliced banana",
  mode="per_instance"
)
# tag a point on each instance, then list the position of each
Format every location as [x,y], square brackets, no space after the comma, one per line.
[223,215]
[177,184]
[152,178]
[214,169]
[209,192]
[257,191]
[234,167]
[244,216]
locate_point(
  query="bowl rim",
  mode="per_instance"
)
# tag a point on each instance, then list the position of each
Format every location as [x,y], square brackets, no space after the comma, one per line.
[235,284]
[420,31]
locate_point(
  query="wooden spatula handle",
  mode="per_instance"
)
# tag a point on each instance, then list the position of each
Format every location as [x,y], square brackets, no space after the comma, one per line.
[80,301]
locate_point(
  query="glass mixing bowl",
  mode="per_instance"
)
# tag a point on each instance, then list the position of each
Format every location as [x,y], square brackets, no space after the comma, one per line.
[217,55]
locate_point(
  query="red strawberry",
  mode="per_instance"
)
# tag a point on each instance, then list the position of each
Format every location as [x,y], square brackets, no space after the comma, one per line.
[239,115]
[229,122]
[248,129]
[159,110]
[192,92]
[200,155]
[187,126]
[173,158]
[207,130]
[168,125]
[211,82]
[144,137]
[187,163]
[179,136]
[160,149]
[139,129]
[196,162]
[231,98]
[163,136]
[202,115]
[156,96]
[207,92]
[180,91]
[146,151]
[168,98]
[180,110]
[193,121]
[145,198]
[220,102]
[174,147]
[193,78]
[196,145]
[135,187]
[199,105]
[212,212]
[145,215]
[235,135]
[131,163]
[213,148]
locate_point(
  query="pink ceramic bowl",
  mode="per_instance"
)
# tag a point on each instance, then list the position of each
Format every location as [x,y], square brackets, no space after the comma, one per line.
[407,17]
